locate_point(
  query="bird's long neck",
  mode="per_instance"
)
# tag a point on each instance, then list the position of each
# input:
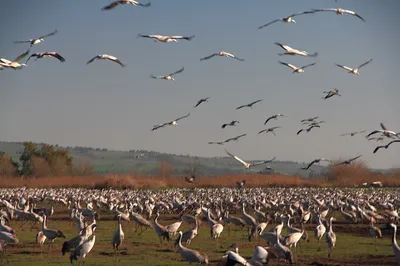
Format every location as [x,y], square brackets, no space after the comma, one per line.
[394,242]
[180,241]
[330,225]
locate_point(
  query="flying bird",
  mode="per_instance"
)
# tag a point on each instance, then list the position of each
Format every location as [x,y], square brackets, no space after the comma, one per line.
[169,76]
[384,131]
[246,164]
[273,117]
[201,101]
[308,129]
[288,19]
[232,123]
[348,161]
[124,2]
[106,56]
[271,129]
[291,51]
[5,63]
[46,54]
[386,146]
[171,123]
[235,138]
[331,93]
[309,120]
[352,133]
[248,105]
[296,69]
[315,161]
[354,70]
[37,40]
[222,53]
[339,11]
[166,39]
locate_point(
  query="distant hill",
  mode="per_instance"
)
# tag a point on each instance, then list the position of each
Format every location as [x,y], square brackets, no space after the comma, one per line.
[144,162]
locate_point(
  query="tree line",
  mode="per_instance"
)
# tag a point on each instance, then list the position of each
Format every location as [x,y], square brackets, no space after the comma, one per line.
[46,160]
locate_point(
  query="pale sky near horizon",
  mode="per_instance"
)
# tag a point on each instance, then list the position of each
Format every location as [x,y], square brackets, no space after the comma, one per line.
[104,105]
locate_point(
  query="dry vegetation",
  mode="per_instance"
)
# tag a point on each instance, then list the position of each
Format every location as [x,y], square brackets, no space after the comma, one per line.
[342,176]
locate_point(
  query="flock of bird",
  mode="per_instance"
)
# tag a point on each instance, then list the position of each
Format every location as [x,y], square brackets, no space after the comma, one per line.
[265,213]
[288,50]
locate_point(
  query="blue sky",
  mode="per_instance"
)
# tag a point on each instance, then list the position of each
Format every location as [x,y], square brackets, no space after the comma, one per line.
[104,105]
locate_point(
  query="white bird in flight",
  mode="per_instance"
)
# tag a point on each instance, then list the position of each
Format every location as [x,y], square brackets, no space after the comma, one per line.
[246,164]
[384,131]
[106,56]
[339,11]
[171,123]
[46,54]
[5,63]
[296,69]
[354,70]
[166,39]
[291,51]
[222,53]
[38,39]
[288,19]
[124,2]
[168,76]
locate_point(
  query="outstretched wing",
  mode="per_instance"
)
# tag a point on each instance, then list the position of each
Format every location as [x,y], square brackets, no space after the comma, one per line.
[303,67]
[354,14]
[269,23]
[288,65]
[355,158]
[383,126]
[345,134]
[182,37]
[176,72]
[21,56]
[116,60]
[208,57]
[48,35]
[377,148]
[344,67]
[21,41]
[237,108]
[236,158]
[56,55]
[302,13]
[91,60]
[158,126]
[366,63]
[252,103]
[309,165]
[111,6]
[323,9]
[182,117]
[262,131]
[374,132]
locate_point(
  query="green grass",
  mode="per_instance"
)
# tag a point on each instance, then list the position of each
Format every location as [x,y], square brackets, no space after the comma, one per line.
[147,250]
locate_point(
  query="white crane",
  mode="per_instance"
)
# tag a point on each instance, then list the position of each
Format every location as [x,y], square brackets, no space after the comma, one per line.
[271,129]
[330,237]
[296,69]
[168,76]
[171,123]
[124,2]
[291,51]
[385,132]
[221,53]
[282,251]
[354,70]
[166,39]
[396,248]
[5,63]
[339,11]
[246,164]
[192,256]
[374,231]
[189,235]
[106,57]
[38,39]
[46,54]
[352,134]
[77,240]
[288,19]
[319,230]
[118,236]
